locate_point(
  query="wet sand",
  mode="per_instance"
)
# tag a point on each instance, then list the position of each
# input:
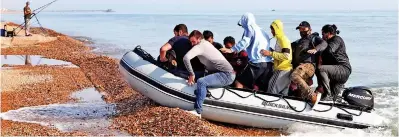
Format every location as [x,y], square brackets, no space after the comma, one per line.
[138,115]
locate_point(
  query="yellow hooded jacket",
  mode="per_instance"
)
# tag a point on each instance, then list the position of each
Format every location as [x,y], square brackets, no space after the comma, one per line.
[283,53]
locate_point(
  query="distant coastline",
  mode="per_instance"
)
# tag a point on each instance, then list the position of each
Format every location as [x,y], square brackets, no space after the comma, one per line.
[107,10]
[8,11]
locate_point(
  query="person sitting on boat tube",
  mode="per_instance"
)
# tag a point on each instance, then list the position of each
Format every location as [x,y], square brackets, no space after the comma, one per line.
[335,67]
[304,61]
[220,71]
[254,39]
[237,60]
[282,56]
[180,46]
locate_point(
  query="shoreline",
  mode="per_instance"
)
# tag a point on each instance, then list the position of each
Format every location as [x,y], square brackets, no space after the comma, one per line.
[137,114]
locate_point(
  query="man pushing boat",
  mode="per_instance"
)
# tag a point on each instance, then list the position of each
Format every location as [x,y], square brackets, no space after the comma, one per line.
[221,73]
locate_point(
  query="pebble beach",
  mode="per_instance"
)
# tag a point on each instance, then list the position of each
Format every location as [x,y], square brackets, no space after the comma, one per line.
[26,86]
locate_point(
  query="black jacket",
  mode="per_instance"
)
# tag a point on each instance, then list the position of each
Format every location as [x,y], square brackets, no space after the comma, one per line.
[301,46]
[335,53]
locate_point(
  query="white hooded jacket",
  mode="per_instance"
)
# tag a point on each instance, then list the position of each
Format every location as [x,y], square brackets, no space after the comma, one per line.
[253,40]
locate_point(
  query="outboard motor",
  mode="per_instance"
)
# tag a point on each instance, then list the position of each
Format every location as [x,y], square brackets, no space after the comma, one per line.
[359,96]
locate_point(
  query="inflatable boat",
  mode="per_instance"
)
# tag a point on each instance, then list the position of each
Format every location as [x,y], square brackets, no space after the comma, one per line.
[240,106]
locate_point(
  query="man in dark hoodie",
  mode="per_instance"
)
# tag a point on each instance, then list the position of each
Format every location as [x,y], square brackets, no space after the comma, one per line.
[178,46]
[304,60]
[208,36]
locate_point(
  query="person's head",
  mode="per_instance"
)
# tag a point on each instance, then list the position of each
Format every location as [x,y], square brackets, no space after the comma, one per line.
[27,3]
[328,31]
[304,29]
[195,37]
[208,35]
[277,28]
[229,42]
[247,20]
[180,30]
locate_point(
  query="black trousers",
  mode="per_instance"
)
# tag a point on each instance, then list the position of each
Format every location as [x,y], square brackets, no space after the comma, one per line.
[332,78]
[256,74]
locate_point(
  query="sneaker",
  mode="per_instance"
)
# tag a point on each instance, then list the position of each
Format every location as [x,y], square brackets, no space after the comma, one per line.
[328,99]
[315,99]
[194,112]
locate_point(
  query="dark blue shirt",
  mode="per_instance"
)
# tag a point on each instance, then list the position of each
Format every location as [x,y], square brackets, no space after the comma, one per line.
[181,45]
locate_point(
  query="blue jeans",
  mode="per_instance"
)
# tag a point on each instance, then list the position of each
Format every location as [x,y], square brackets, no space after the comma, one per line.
[219,79]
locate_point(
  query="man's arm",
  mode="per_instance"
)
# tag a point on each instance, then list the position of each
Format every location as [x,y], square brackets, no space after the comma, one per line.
[162,52]
[195,51]
[285,51]
[166,47]
[25,11]
[244,42]
[322,44]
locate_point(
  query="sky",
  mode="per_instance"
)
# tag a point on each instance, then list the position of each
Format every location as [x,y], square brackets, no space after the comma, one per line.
[207,6]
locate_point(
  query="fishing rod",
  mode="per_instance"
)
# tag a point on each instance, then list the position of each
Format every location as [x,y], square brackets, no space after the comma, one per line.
[40,9]
[44,6]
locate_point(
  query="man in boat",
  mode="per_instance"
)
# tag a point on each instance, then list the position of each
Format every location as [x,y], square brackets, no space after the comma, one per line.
[180,45]
[221,73]
[304,60]
[238,60]
[282,56]
[27,16]
[208,35]
[254,39]
[335,67]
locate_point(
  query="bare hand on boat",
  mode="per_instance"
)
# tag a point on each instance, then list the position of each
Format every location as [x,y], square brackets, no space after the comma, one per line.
[226,50]
[265,52]
[191,79]
[312,51]
[174,63]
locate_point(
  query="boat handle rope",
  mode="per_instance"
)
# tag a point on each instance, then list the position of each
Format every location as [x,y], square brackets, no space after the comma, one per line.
[254,94]
[333,104]
[282,97]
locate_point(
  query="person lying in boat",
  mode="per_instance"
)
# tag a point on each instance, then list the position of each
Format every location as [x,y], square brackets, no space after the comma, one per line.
[238,60]
[208,35]
[335,67]
[282,56]
[304,61]
[221,73]
[253,40]
[180,46]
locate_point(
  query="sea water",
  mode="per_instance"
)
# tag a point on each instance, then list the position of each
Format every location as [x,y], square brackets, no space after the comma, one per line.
[371,39]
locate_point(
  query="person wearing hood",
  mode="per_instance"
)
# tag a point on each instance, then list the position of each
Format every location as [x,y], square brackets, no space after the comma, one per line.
[254,39]
[304,60]
[335,69]
[282,55]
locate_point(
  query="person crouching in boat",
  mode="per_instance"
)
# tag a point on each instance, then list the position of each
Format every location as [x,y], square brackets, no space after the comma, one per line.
[304,61]
[208,35]
[254,39]
[238,60]
[180,45]
[221,73]
[282,56]
[335,68]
